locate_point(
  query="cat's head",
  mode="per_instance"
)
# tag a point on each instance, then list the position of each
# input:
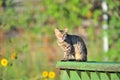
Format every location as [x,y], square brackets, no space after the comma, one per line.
[60,34]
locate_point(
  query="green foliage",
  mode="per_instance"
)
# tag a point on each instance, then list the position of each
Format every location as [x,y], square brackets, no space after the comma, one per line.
[114,31]
[38,19]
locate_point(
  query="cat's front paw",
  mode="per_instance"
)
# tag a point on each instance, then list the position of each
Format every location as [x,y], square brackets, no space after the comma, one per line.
[64,59]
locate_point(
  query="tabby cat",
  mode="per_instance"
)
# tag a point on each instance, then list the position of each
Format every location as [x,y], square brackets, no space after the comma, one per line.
[73,46]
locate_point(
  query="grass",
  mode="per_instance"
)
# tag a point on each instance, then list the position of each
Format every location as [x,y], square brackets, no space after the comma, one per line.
[31,58]
[29,33]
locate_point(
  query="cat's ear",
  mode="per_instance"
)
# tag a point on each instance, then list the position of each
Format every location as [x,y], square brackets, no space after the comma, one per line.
[66,30]
[56,30]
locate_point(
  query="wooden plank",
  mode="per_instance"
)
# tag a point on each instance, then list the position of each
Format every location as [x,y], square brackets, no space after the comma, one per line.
[85,75]
[91,66]
[74,75]
[95,76]
[64,75]
[104,76]
[115,76]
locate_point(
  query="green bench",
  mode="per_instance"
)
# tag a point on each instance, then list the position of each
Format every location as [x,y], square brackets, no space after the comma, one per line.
[72,70]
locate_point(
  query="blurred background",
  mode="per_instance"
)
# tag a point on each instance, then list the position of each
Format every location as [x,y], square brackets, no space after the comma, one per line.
[28,43]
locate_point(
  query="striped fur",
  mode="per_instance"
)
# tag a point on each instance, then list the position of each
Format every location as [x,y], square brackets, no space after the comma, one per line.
[73,46]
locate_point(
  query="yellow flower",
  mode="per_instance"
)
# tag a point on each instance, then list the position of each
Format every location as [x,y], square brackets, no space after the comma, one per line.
[89,14]
[44,73]
[14,56]
[51,74]
[4,62]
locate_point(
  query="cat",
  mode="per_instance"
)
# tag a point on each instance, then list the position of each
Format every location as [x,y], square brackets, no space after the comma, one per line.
[73,46]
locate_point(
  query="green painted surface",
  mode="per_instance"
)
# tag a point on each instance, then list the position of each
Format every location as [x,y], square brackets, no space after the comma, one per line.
[89,70]
[92,66]
[95,76]
[75,75]
[64,75]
